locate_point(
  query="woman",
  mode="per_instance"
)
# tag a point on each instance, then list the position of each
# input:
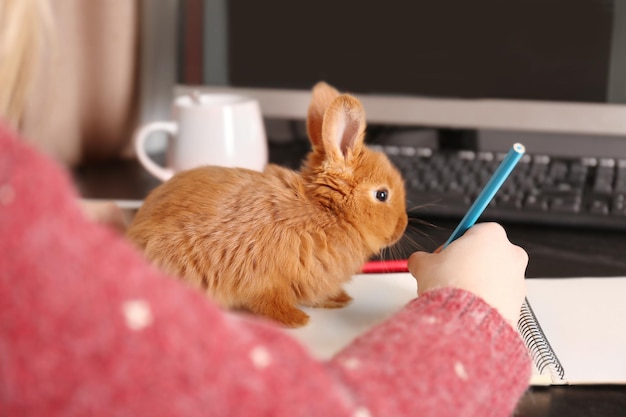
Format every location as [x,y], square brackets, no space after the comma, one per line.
[88,327]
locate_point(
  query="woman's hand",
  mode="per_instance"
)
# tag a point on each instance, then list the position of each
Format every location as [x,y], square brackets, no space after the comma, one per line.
[482,261]
[106,213]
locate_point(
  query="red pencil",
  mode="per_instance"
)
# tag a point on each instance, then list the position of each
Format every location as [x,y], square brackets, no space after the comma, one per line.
[377,267]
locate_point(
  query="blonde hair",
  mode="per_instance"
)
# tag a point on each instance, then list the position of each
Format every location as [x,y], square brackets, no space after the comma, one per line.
[24,26]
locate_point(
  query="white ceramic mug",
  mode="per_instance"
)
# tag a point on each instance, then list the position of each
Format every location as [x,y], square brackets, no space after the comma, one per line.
[208,129]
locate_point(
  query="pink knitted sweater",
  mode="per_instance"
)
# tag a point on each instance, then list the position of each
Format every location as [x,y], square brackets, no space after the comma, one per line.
[87,327]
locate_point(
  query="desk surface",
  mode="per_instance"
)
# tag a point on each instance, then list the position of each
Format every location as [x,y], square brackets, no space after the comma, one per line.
[553,252]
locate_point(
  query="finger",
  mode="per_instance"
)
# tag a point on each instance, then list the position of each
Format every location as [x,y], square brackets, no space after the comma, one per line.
[491,229]
[415,260]
[521,255]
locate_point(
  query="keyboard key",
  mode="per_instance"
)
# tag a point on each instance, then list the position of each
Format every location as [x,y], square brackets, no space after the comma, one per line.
[535,204]
[602,186]
[599,207]
[508,201]
[561,189]
[565,205]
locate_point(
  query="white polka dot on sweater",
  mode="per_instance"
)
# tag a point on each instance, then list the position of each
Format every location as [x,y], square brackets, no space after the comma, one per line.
[351,363]
[362,412]
[460,370]
[137,314]
[260,357]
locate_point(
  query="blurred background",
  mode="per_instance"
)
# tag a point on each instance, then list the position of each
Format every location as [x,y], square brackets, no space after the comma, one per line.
[445,74]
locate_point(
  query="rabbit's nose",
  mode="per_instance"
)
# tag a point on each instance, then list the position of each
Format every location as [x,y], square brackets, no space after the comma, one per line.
[400,228]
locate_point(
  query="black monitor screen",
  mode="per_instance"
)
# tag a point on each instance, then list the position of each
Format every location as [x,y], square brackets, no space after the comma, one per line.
[527,49]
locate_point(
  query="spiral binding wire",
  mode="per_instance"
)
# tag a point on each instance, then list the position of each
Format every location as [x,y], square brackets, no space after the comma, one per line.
[538,345]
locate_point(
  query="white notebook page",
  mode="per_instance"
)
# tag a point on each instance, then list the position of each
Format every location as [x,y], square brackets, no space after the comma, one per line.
[584,320]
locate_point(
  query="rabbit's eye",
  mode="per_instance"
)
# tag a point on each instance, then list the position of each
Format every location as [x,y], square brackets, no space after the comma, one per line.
[382,194]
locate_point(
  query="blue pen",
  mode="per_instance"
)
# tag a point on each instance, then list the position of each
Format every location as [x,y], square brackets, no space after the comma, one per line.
[528,325]
[488,192]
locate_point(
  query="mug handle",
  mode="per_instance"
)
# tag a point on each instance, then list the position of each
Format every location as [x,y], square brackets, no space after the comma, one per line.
[141,136]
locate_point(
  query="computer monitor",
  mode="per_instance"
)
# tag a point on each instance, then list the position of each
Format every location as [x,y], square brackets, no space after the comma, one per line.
[537,69]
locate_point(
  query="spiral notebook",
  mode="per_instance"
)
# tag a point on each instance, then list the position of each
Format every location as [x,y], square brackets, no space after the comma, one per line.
[578,337]
[584,321]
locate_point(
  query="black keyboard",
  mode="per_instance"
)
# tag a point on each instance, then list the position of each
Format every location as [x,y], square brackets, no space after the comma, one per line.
[580,192]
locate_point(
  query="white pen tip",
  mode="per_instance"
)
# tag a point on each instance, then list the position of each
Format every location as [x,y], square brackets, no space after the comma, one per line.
[519,148]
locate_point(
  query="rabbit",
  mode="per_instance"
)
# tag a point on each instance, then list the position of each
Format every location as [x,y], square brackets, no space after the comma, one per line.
[269,242]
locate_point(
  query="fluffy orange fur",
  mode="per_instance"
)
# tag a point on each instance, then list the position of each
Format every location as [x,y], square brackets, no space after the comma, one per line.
[270,242]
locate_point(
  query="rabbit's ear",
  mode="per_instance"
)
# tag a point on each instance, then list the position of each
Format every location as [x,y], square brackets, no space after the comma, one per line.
[343,130]
[323,96]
